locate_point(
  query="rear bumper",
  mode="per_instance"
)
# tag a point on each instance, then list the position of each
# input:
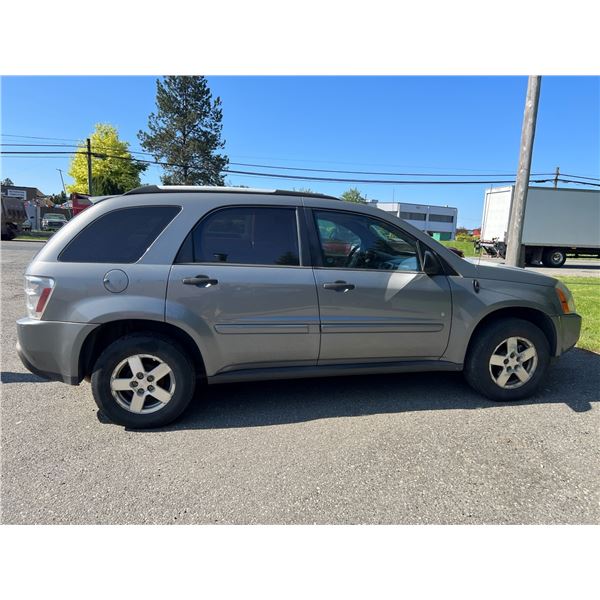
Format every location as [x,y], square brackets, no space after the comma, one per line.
[51,349]
[568,328]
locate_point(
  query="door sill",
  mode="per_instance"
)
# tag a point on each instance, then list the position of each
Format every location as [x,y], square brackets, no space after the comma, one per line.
[267,373]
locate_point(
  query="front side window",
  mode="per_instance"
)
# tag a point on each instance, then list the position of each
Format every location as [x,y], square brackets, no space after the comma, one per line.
[120,236]
[245,235]
[352,241]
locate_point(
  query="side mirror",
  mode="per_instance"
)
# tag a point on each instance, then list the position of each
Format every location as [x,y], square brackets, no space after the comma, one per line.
[431,265]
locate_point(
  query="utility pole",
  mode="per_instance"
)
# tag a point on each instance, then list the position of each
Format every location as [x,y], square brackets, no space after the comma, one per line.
[514,252]
[556,177]
[63,181]
[89,165]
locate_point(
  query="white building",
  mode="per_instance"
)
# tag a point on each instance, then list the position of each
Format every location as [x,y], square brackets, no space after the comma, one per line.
[438,221]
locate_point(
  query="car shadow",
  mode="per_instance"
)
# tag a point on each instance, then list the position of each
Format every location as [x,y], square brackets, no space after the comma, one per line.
[574,381]
[12,377]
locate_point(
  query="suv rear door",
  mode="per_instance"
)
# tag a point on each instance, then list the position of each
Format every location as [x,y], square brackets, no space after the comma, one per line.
[240,280]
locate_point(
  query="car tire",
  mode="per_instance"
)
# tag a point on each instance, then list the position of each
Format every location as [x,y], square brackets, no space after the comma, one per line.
[139,400]
[554,257]
[502,369]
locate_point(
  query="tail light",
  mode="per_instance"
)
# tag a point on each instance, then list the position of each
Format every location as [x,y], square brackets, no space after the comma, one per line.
[37,293]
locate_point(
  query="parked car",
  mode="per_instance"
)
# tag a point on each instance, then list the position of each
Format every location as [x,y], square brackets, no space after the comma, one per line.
[13,213]
[151,293]
[53,221]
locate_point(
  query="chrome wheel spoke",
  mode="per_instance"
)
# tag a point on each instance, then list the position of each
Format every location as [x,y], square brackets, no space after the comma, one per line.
[522,374]
[512,345]
[135,364]
[137,403]
[527,354]
[497,360]
[120,385]
[160,371]
[160,394]
[503,378]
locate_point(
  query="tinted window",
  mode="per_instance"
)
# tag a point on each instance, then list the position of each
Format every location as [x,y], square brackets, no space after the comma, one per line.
[120,236]
[354,241]
[246,235]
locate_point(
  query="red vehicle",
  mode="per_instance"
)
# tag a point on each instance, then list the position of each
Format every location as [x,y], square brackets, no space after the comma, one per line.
[79,202]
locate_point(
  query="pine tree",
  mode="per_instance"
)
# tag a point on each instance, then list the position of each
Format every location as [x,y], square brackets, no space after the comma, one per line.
[185,132]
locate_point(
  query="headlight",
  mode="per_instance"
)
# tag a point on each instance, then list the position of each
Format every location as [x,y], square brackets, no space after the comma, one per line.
[37,293]
[565,298]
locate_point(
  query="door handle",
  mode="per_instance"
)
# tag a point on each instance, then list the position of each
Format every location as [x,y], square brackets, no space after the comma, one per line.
[339,286]
[200,281]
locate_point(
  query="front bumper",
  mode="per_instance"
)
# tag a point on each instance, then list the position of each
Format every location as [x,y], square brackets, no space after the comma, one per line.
[568,329]
[51,349]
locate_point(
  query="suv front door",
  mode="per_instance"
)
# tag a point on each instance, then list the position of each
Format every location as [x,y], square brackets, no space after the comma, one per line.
[240,279]
[375,302]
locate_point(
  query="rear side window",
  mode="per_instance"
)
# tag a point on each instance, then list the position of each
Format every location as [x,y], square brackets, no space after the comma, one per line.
[120,236]
[245,235]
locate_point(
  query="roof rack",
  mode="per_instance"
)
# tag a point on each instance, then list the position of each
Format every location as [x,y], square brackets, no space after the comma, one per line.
[169,189]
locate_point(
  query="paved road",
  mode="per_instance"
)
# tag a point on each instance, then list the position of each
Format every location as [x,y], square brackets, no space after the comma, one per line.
[385,449]
[574,267]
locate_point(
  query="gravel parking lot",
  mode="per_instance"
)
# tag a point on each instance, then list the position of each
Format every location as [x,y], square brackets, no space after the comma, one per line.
[416,448]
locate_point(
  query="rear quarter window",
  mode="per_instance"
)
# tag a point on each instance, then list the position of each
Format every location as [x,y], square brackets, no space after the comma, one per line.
[120,236]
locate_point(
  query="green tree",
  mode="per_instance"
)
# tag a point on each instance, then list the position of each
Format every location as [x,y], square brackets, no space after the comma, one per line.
[113,166]
[60,198]
[354,195]
[185,132]
[7,181]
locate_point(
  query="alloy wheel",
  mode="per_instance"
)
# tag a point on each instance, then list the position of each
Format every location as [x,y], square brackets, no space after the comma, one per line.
[142,383]
[513,362]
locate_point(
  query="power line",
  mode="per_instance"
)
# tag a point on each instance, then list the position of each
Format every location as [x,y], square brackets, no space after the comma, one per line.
[306,169]
[579,182]
[35,137]
[377,172]
[581,177]
[101,155]
[309,169]
[40,145]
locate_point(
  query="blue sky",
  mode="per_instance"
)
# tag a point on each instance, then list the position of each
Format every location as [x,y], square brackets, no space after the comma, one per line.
[462,125]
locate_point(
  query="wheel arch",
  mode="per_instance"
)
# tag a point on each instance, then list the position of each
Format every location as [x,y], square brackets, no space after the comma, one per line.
[105,334]
[534,316]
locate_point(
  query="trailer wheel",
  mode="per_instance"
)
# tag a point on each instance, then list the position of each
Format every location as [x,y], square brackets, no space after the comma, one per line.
[554,257]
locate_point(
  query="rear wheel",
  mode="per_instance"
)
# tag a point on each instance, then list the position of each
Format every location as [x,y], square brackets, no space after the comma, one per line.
[554,257]
[507,360]
[142,381]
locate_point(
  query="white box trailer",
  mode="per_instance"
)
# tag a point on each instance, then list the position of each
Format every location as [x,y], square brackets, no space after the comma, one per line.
[558,223]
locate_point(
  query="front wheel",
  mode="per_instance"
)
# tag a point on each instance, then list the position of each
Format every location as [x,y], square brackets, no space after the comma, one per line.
[143,381]
[507,360]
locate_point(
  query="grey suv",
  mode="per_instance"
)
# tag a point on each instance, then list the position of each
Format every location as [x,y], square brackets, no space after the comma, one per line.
[151,293]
